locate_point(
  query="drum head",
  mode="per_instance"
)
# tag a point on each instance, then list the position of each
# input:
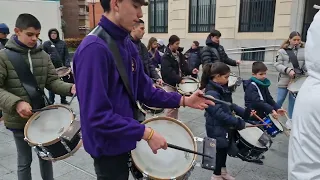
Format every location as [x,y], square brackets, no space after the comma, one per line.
[276,123]
[252,135]
[170,163]
[296,84]
[232,80]
[190,86]
[46,126]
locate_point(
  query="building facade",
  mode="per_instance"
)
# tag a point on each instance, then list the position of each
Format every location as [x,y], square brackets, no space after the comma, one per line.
[75,14]
[251,29]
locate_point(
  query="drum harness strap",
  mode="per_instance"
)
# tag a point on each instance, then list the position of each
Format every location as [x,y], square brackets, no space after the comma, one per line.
[27,79]
[101,33]
[294,60]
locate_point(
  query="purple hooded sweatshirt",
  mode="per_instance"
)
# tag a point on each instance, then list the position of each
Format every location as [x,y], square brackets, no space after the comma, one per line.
[106,112]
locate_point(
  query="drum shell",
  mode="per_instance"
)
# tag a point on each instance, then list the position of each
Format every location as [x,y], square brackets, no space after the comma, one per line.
[248,150]
[57,147]
[58,150]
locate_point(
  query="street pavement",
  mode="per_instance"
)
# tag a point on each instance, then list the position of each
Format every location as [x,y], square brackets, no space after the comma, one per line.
[80,166]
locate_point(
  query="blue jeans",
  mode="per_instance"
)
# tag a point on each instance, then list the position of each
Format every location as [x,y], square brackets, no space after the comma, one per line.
[282,94]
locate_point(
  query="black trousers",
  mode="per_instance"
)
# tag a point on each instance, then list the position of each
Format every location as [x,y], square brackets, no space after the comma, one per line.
[112,167]
[221,159]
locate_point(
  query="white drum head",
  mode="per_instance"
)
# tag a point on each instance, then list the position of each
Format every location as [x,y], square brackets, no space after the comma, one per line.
[170,163]
[190,86]
[296,85]
[48,125]
[276,123]
[252,135]
[232,80]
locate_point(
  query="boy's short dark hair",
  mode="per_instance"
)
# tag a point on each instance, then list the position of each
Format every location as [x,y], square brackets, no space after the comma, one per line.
[173,39]
[214,33]
[105,4]
[196,43]
[258,67]
[25,21]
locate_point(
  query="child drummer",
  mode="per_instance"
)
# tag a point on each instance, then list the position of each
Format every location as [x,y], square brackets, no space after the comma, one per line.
[220,122]
[257,95]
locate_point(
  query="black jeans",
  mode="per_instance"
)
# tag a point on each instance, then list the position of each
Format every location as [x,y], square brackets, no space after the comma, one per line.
[221,159]
[112,167]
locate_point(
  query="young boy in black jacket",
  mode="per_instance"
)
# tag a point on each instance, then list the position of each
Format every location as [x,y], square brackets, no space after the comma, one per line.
[257,95]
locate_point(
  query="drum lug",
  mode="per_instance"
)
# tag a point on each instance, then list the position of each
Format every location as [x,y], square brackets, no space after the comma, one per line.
[198,139]
[45,152]
[65,145]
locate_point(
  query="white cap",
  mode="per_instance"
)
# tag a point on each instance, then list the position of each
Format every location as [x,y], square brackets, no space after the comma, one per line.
[160,41]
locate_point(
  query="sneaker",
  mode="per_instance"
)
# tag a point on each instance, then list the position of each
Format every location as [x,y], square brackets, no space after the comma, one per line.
[216,177]
[289,124]
[225,175]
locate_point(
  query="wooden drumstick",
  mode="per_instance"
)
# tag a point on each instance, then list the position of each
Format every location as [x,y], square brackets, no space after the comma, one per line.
[187,150]
[43,109]
[259,118]
[257,125]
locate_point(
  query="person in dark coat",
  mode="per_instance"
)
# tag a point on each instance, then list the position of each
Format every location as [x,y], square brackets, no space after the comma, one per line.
[4,31]
[214,52]
[257,95]
[59,54]
[173,68]
[220,120]
[193,57]
[149,68]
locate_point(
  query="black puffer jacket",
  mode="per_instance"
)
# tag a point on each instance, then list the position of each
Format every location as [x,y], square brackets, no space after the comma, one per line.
[209,56]
[149,68]
[170,68]
[58,51]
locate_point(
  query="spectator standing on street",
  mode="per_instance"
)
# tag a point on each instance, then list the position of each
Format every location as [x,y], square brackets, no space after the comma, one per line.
[59,54]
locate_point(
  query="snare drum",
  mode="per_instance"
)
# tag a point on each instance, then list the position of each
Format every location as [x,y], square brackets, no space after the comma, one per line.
[295,85]
[170,163]
[248,144]
[275,127]
[65,74]
[53,134]
[153,110]
[234,81]
[190,86]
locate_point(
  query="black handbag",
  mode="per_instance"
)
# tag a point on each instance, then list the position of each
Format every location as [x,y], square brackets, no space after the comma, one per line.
[101,33]
[28,81]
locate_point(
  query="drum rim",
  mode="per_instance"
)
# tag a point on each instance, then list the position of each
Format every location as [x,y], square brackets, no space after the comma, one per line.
[276,123]
[152,108]
[189,132]
[33,117]
[247,143]
[63,67]
[295,80]
[188,93]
